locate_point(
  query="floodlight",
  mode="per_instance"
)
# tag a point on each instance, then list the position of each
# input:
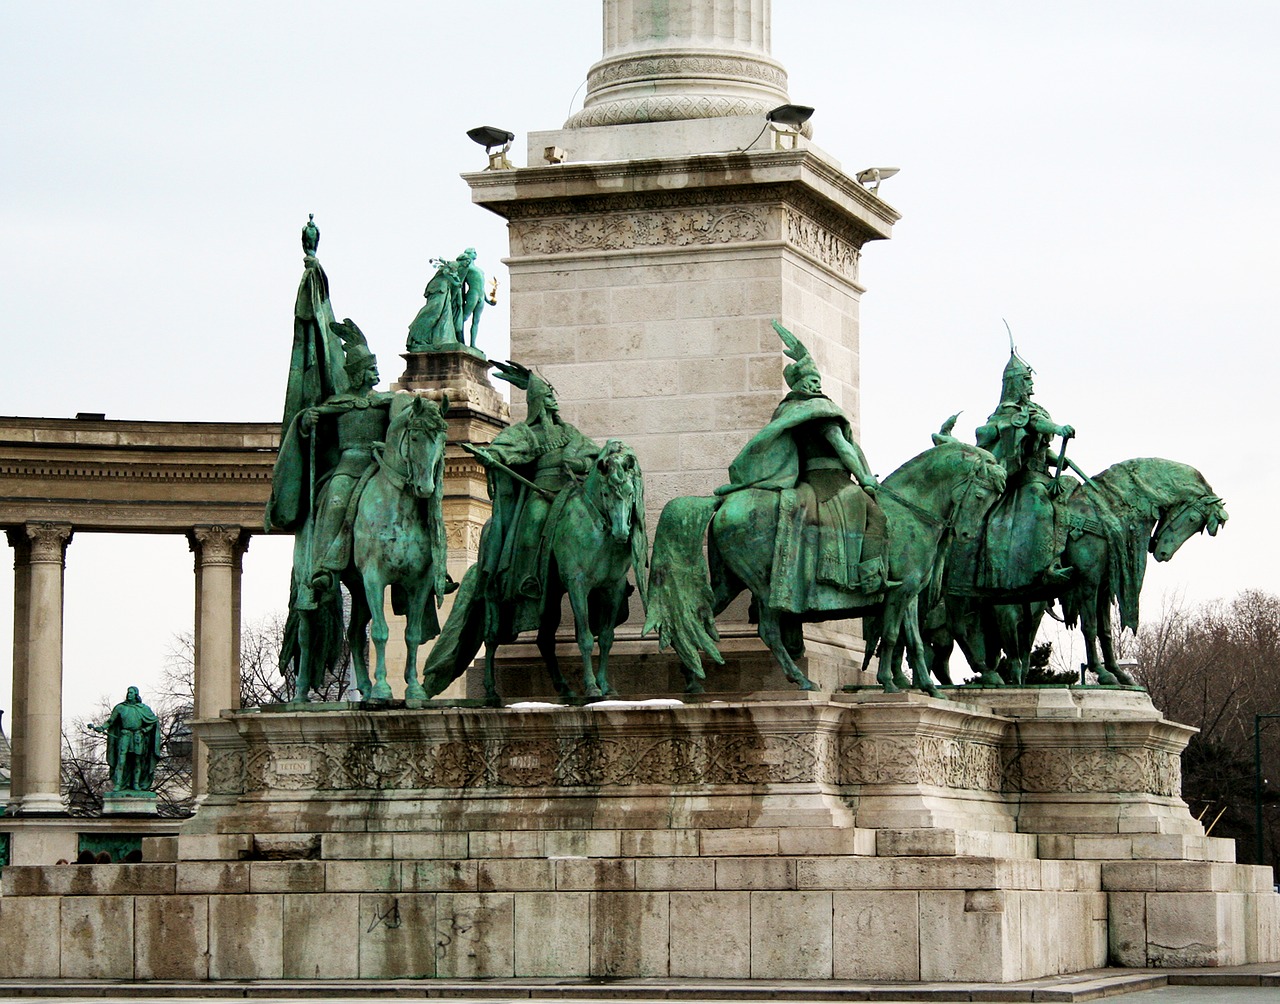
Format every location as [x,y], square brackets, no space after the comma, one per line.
[874,175]
[489,137]
[793,116]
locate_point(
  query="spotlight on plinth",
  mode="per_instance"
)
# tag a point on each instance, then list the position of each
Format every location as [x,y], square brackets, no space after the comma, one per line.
[490,137]
[786,121]
[872,176]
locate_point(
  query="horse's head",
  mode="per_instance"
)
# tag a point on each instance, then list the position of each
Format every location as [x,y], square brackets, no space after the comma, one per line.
[1180,522]
[416,442]
[618,489]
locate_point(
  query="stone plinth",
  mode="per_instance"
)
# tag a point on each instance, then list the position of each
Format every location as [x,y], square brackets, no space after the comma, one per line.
[869,837]
[129,803]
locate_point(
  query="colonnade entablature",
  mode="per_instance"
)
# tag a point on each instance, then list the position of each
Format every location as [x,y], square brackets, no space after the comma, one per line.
[208,481]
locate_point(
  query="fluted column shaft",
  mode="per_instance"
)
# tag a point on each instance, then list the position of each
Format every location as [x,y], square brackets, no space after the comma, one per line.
[217,684]
[38,735]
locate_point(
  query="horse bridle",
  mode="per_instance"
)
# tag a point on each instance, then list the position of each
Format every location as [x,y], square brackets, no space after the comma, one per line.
[1203,506]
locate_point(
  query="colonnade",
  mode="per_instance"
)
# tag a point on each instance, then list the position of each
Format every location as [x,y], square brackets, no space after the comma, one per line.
[39,564]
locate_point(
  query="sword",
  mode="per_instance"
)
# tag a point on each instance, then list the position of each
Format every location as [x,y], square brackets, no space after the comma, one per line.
[489,461]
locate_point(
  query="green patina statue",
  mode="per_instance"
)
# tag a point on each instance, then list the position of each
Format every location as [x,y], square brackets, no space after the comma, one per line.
[807,541]
[1051,538]
[1020,545]
[568,516]
[133,744]
[353,505]
[454,295]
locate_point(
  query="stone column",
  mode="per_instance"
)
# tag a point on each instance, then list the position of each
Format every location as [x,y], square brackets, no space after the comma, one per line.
[18,713]
[217,587]
[682,59]
[40,747]
[647,265]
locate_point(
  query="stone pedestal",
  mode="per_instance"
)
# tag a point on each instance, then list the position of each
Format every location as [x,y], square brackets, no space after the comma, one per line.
[477,413]
[129,803]
[866,837]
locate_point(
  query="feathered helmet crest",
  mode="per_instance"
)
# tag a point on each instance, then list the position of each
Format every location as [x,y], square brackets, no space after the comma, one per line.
[804,367]
[537,391]
[355,347]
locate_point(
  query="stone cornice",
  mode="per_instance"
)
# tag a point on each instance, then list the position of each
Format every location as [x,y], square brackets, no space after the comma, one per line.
[733,177]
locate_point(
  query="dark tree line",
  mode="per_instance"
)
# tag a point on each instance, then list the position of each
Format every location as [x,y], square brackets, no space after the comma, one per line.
[1215,667]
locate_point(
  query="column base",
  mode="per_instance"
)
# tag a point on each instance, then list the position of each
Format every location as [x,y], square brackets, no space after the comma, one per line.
[41,805]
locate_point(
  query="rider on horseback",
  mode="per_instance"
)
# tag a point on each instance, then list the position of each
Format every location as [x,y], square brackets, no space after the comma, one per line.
[1021,544]
[830,531]
[530,464]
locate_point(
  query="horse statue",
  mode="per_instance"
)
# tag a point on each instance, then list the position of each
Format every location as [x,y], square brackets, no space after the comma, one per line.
[687,591]
[1113,521]
[595,535]
[397,540]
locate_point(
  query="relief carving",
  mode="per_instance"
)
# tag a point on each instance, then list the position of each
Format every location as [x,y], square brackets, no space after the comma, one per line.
[932,760]
[624,231]
[820,242]
[48,541]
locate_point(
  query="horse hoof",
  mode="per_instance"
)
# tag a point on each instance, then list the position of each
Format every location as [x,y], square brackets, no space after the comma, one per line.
[1106,679]
[891,688]
[381,692]
[415,692]
[807,684]
[694,687]
[1123,678]
[594,691]
[991,679]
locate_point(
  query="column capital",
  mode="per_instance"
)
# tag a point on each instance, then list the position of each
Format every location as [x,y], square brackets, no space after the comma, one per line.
[214,544]
[48,541]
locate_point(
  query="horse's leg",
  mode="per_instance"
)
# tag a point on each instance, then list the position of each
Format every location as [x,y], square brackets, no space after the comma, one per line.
[302,685]
[1008,619]
[356,640]
[374,590]
[418,597]
[547,629]
[491,697]
[1107,642]
[891,616]
[608,617]
[586,641]
[964,619]
[915,643]
[1089,629]
[770,631]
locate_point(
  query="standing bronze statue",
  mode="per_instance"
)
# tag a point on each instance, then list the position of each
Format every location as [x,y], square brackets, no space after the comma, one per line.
[133,744]
[455,294]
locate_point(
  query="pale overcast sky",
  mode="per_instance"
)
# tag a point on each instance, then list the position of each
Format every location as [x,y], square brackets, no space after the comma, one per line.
[1101,174]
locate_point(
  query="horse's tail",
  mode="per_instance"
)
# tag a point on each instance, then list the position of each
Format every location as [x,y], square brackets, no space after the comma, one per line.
[680,596]
[460,640]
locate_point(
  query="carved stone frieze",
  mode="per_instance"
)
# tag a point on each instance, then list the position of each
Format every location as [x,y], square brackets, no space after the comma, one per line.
[934,760]
[1149,771]
[821,242]
[596,762]
[711,198]
[693,226]
[226,772]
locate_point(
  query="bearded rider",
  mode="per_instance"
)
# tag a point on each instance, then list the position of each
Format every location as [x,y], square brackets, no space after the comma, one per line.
[807,452]
[529,465]
[1020,546]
